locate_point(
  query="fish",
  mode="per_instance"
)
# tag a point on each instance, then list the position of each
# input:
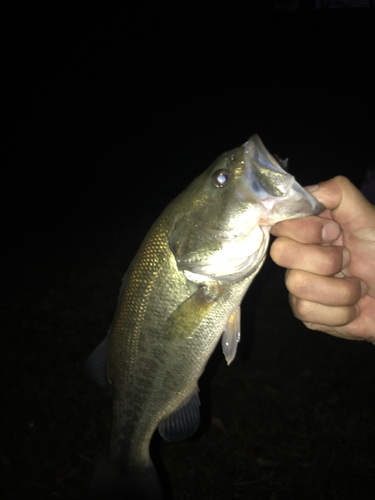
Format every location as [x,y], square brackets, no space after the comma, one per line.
[181,294]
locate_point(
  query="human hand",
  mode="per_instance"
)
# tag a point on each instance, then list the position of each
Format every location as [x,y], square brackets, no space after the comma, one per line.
[331,262]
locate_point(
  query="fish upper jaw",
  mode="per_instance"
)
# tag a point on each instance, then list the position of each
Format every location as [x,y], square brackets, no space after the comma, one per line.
[279,194]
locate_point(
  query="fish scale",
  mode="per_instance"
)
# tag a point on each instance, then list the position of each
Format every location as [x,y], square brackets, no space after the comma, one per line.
[181,293]
[168,362]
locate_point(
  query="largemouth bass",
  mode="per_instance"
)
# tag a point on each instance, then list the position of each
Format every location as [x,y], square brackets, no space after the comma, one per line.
[180,295]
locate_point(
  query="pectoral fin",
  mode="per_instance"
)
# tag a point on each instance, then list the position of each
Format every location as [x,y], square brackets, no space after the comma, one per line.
[95,367]
[185,320]
[232,335]
[183,422]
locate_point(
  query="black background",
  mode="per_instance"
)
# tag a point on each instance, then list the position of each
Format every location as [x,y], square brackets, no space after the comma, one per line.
[111,115]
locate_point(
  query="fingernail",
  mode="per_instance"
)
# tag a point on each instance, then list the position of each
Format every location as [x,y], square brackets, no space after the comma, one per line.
[312,188]
[331,231]
[364,288]
[345,258]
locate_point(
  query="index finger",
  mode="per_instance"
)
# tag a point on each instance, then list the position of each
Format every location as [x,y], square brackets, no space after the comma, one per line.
[309,230]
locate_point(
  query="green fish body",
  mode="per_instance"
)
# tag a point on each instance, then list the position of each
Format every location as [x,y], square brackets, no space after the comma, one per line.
[180,295]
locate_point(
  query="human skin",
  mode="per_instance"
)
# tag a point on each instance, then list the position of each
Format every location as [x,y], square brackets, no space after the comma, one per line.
[330,261]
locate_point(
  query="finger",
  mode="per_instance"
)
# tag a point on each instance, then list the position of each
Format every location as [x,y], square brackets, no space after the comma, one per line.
[361,328]
[308,230]
[312,312]
[346,202]
[323,289]
[336,331]
[316,259]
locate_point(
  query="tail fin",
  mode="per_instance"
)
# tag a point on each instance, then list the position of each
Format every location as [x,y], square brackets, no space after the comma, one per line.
[109,482]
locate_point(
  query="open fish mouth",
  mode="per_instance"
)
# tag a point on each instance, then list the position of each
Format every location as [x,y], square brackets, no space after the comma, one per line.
[277,190]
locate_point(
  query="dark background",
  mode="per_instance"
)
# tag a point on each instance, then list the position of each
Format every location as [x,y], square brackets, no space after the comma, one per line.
[110,118]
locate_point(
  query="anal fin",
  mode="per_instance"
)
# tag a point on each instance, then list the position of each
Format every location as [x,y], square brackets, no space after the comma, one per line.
[183,422]
[232,335]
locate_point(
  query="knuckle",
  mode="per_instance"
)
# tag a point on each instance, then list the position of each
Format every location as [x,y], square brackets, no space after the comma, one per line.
[275,250]
[331,261]
[342,180]
[295,282]
[278,250]
[314,326]
[349,314]
[350,293]
[301,308]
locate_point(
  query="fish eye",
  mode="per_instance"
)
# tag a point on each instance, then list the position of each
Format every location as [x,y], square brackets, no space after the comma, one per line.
[220,178]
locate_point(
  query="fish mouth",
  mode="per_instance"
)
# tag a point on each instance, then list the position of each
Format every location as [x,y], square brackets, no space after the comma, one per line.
[296,204]
[281,196]
[307,202]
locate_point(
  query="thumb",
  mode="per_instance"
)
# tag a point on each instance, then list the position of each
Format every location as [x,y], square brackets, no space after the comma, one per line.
[347,204]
